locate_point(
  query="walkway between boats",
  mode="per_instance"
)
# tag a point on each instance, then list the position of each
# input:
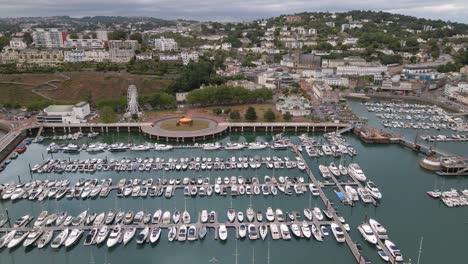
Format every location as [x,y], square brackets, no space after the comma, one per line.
[352,246]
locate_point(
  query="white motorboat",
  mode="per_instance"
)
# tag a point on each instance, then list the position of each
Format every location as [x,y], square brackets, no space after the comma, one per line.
[22,221]
[242,230]
[337,232]
[102,235]
[275,234]
[352,193]
[222,232]
[305,228]
[45,238]
[375,192]
[17,239]
[324,171]
[231,214]
[308,214]
[156,217]
[176,217]
[240,216]
[114,236]
[263,231]
[378,229]
[317,233]
[41,219]
[166,217]
[60,238]
[143,235]
[317,213]
[296,230]
[355,171]
[192,233]
[155,234]
[252,231]
[279,215]
[185,217]
[334,169]
[285,234]
[394,250]
[204,216]
[314,189]
[172,234]
[250,214]
[364,194]
[367,232]
[270,215]
[32,237]
[73,237]
[182,235]
[5,239]
[128,235]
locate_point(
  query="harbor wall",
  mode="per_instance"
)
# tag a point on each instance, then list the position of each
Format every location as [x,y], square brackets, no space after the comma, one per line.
[10,142]
[416,99]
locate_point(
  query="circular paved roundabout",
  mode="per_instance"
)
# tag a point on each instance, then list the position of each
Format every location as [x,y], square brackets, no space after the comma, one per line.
[201,127]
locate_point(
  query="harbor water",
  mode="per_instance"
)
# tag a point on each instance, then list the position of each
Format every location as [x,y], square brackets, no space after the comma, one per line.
[405,210]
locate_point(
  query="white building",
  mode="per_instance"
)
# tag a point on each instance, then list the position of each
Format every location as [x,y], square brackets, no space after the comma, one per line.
[68,114]
[187,57]
[17,43]
[73,56]
[123,44]
[451,89]
[97,55]
[296,106]
[121,55]
[335,81]
[51,38]
[165,44]
[350,41]
[144,56]
[102,35]
[169,57]
[360,71]
[84,44]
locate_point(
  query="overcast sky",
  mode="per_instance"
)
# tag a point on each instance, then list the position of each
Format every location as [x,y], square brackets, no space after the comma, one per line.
[229,10]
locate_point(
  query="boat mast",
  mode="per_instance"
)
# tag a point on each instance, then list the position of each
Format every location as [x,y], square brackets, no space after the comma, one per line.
[253,255]
[268,254]
[236,254]
[420,249]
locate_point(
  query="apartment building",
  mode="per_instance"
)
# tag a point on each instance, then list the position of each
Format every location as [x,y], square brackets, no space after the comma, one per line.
[49,38]
[84,44]
[165,44]
[43,58]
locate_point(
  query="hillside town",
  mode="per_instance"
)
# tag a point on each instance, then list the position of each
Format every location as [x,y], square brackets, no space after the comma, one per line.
[306,60]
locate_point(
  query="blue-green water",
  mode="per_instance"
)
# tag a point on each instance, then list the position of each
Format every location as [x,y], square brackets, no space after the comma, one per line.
[406,211]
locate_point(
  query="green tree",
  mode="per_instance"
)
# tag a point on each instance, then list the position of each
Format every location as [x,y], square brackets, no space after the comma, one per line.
[73,35]
[4,41]
[234,115]
[117,35]
[269,115]
[251,114]
[27,38]
[287,116]
[108,115]
[137,36]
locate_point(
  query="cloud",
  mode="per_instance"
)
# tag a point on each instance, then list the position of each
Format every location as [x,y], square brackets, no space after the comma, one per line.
[455,10]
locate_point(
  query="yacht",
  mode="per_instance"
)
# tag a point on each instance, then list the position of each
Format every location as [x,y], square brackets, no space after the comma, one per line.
[17,239]
[142,236]
[102,234]
[314,189]
[192,233]
[279,215]
[296,230]
[285,234]
[250,214]
[367,232]
[202,232]
[375,192]
[73,237]
[263,231]
[41,219]
[114,236]
[275,235]
[156,217]
[231,214]
[305,228]
[22,221]
[222,232]
[355,171]
[394,250]
[317,233]
[5,239]
[240,216]
[342,169]
[378,229]
[308,214]
[364,194]
[242,230]
[253,232]
[45,238]
[333,169]
[155,234]
[32,237]
[60,238]
[317,213]
[128,235]
[204,216]
[352,193]
[337,232]
[185,217]
[172,234]
[182,235]
[324,171]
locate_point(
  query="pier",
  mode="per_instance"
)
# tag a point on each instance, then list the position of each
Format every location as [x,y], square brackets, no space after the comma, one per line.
[329,205]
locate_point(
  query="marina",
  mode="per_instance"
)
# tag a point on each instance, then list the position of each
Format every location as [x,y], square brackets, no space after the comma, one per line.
[309,188]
